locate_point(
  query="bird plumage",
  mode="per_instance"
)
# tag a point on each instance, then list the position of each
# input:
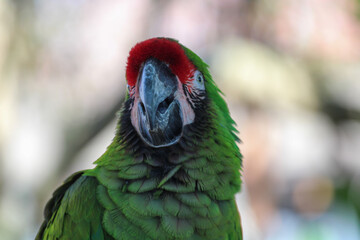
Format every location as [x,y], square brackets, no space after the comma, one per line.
[137,191]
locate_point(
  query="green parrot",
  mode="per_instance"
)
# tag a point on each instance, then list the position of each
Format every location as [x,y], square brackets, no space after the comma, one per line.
[173,167]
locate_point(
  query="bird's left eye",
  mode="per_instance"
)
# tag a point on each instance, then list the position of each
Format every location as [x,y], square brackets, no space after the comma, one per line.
[199,78]
[199,82]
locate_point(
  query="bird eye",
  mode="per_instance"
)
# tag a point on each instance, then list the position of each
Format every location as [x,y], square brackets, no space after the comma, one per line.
[199,78]
[199,82]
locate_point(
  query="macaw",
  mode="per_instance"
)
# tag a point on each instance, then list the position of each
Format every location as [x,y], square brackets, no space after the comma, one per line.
[173,167]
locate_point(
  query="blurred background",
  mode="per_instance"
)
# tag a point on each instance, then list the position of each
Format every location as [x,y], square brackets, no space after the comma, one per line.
[290,71]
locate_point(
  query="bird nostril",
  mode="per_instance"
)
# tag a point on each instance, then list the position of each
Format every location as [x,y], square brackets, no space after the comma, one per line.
[142,107]
[164,105]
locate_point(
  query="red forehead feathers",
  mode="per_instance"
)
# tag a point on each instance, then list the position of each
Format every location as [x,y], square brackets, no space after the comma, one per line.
[166,50]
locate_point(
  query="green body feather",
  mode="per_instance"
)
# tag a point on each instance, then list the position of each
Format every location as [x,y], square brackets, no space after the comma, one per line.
[122,198]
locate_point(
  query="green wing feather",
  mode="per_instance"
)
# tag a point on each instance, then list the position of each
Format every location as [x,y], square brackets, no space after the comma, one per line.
[74,212]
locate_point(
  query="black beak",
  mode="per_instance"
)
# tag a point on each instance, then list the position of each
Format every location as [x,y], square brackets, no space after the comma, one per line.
[160,119]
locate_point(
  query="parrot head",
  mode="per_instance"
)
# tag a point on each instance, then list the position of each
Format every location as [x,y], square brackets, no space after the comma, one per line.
[166,91]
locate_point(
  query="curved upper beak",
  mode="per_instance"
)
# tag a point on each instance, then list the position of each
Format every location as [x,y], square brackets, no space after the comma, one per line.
[159,115]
